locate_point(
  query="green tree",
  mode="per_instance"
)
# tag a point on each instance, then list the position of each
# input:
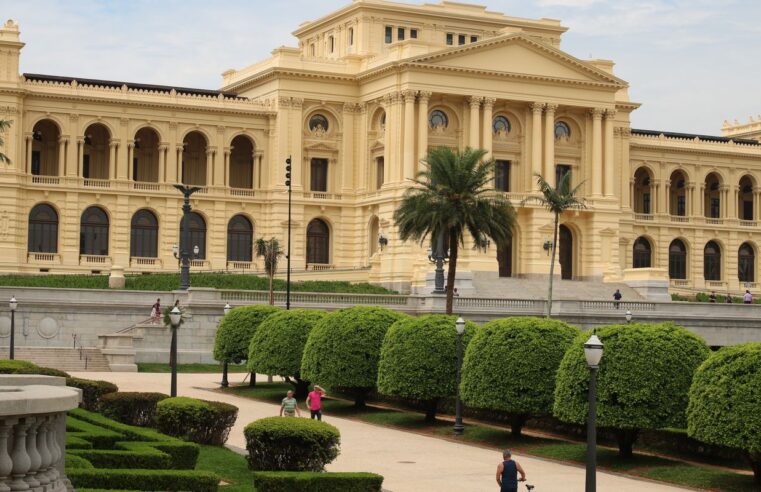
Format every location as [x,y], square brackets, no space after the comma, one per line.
[642,383]
[452,195]
[235,331]
[4,125]
[725,398]
[511,364]
[271,251]
[418,359]
[557,200]
[278,346]
[342,350]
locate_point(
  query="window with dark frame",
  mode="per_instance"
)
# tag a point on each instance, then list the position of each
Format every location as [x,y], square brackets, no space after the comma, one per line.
[86,166]
[36,163]
[681,205]
[560,171]
[413,33]
[400,33]
[474,39]
[351,36]
[197,228]
[380,169]
[712,261]
[319,175]
[93,232]
[240,237]
[646,203]
[461,39]
[134,168]
[715,208]
[677,260]
[642,254]
[318,242]
[502,175]
[746,260]
[331,43]
[450,39]
[144,235]
[389,34]
[43,229]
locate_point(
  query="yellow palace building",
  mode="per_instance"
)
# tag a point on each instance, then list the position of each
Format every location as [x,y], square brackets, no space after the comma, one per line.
[356,104]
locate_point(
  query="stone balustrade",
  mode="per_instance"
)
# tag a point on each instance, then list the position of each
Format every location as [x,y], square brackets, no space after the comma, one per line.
[33,432]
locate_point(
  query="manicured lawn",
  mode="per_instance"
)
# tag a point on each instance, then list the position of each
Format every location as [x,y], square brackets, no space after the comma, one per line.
[229,465]
[653,467]
[197,368]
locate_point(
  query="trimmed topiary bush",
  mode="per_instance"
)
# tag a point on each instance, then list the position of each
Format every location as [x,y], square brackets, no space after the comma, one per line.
[278,346]
[26,367]
[317,482]
[642,383]
[510,366]
[418,359]
[201,421]
[343,349]
[131,408]
[725,402]
[291,444]
[92,391]
[186,480]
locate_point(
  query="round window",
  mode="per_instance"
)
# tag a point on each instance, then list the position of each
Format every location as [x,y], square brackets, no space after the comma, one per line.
[438,119]
[318,122]
[562,130]
[501,125]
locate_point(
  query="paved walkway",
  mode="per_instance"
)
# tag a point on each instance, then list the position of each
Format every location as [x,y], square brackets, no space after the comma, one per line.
[409,462]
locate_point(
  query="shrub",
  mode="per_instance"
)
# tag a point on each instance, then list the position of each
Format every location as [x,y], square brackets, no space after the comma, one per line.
[236,330]
[290,444]
[278,345]
[185,480]
[725,398]
[26,367]
[73,461]
[642,382]
[510,365]
[131,407]
[201,421]
[317,482]
[343,349]
[92,391]
[418,359]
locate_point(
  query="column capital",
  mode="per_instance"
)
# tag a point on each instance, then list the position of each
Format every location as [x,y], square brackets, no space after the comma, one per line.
[409,95]
[211,150]
[63,139]
[550,107]
[113,143]
[489,102]
[227,150]
[475,101]
[610,114]
[163,146]
[537,107]
[424,96]
[596,113]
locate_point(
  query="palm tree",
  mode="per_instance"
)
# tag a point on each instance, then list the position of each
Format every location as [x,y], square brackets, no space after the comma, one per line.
[4,125]
[453,196]
[557,200]
[271,251]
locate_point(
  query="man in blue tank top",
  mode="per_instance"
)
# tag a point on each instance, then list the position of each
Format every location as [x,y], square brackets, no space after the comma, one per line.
[507,473]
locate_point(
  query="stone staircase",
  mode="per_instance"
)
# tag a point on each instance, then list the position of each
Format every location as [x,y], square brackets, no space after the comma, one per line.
[488,284]
[65,359]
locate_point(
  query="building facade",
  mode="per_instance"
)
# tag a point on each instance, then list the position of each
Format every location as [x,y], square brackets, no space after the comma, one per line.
[355,106]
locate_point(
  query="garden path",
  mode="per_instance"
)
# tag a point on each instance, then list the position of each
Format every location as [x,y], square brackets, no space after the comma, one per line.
[409,462]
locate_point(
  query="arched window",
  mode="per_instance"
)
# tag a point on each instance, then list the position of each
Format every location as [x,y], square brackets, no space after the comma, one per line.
[501,125]
[712,196]
[240,234]
[242,167]
[438,119]
[45,147]
[93,232]
[642,257]
[678,194]
[318,242]
[677,260]
[197,227]
[712,261]
[96,157]
[746,263]
[562,131]
[318,122]
[43,229]
[642,191]
[144,235]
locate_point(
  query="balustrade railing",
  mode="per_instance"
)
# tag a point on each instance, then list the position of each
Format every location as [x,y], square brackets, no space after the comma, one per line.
[679,218]
[43,257]
[242,192]
[317,298]
[612,305]
[533,305]
[643,217]
[46,180]
[141,186]
[97,183]
[94,259]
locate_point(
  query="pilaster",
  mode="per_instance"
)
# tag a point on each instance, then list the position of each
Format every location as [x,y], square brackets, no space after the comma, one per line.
[549,143]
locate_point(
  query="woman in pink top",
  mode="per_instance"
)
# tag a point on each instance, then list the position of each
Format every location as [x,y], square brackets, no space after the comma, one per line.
[314,402]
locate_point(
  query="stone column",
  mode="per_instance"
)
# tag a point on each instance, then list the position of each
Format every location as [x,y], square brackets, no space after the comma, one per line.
[596,151]
[347,149]
[422,130]
[536,143]
[71,157]
[690,199]
[549,143]
[226,163]
[608,156]
[113,145]
[387,107]
[130,160]
[756,202]
[6,464]
[209,166]
[20,457]
[62,156]
[487,131]
[475,106]
[702,200]
[80,156]
[256,180]
[162,162]
[175,171]
[409,134]
[29,147]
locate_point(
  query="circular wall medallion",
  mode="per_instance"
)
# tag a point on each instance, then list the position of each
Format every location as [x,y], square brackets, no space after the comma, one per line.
[5,327]
[48,328]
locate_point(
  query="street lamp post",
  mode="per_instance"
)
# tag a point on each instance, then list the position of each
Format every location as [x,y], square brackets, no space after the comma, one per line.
[13,303]
[288,252]
[175,317]
[224,383]
[628,316]
[184,253]
[438,256]
[593,353]
[458,427]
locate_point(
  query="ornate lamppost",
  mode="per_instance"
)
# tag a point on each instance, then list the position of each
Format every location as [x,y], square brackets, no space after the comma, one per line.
[184,253]
[13,304]
[438,256]
[458,427]
[224,382]
[593,354]
[175,318]
[288,252]
[628,316]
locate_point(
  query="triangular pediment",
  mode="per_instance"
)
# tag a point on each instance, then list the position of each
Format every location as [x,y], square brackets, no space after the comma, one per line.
[520,55]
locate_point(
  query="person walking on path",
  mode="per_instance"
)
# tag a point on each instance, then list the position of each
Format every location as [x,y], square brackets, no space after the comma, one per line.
[289,407]
[617,295]
[747,297]
[507,473]
[712,297]
[314,402]
[156,311]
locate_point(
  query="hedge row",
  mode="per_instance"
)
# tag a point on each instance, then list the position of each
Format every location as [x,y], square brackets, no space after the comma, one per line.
[317,482]
[25,367]
[131,408]
[201,421]
[149,480]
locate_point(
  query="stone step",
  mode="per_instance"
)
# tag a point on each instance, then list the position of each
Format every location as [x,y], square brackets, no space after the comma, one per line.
[488,284]
[65,359]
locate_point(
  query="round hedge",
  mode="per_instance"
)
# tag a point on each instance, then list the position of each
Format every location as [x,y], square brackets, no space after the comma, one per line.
[725,401]
[26,367]
[511,363]
[342,350]
[418,358]
[201,421]
[132,408]
[642,383]
[291,444]
[236,329]
[92,391]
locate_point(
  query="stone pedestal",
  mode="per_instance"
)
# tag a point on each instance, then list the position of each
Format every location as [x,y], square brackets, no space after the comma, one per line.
[116,280]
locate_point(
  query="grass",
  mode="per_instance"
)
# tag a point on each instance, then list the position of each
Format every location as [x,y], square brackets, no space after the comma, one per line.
[229,465]
[189,368]
[166,282]
[642,465]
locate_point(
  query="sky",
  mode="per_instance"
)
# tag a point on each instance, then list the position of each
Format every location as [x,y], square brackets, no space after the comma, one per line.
[691,63]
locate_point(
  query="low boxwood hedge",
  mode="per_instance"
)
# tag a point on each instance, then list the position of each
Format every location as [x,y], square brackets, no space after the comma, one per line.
[26,367]
[132,408]
[290,444]
[201,421]
[317,482]
[152,480]
[75,461]
[92,391]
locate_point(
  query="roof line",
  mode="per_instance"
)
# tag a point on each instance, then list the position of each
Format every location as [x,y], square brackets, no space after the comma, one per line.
[707,138]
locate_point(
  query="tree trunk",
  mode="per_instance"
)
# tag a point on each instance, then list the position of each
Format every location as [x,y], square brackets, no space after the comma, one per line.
[272,293]
[452,272]
[431,407]
[300,388]
[252,381]
[359,399]
[516,424]
[626,439]
[755,464]
[552,266]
